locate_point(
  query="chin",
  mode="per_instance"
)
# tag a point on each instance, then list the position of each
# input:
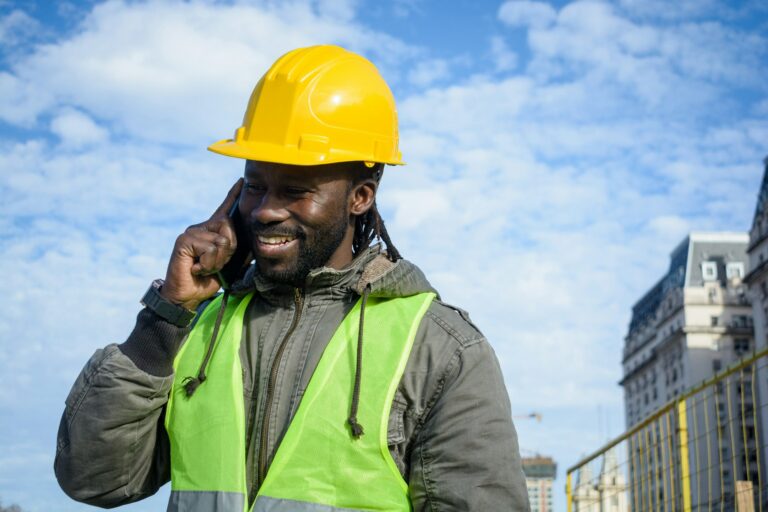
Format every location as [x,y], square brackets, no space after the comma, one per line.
[279,273]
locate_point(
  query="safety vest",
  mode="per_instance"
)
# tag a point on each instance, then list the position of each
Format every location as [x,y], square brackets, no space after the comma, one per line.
[318,465]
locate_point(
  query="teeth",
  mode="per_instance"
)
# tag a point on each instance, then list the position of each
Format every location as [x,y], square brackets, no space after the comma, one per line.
[274,240]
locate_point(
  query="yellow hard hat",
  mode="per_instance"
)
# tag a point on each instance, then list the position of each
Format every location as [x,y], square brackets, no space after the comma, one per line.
[318,105]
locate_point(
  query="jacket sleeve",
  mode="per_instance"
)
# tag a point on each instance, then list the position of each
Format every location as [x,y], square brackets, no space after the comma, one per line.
[465,456]
[112,447]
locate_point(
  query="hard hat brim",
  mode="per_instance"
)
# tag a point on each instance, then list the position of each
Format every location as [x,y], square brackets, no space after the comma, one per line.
[291,155]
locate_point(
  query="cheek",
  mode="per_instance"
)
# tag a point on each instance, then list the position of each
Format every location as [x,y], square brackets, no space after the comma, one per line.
[247,204]
[321,211]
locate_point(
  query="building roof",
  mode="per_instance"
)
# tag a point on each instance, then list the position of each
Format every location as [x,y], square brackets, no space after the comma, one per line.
[685,267]
[539,467]
[762,195]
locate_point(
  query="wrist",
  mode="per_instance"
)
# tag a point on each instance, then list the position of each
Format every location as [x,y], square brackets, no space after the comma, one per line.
[167,293]
[179,314]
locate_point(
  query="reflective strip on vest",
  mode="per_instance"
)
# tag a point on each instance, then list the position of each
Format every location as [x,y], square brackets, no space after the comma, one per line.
[266,504]
[210,501]
[318,466]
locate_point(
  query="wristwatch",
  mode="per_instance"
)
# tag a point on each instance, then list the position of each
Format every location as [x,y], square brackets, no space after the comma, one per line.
[165,309]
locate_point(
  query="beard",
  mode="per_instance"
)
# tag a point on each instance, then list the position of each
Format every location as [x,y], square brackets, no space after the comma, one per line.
[315,248]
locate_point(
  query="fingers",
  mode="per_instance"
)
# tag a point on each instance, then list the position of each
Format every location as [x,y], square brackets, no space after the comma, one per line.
[232,196]
[200,251]
[208,250]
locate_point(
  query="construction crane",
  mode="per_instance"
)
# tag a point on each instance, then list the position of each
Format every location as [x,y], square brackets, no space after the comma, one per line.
[532,416]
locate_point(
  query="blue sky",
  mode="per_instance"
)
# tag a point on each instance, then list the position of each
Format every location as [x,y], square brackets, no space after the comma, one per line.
[557,153]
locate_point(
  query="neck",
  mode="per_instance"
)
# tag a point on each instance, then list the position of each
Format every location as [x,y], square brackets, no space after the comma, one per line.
[343,254]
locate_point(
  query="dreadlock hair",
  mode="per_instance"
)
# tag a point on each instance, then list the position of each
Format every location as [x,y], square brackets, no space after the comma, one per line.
[370,225]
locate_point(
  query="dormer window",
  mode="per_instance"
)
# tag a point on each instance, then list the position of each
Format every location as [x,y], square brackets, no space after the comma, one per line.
[734,270]
[709,270]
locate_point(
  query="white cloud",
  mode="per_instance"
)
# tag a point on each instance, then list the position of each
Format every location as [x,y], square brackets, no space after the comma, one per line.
[680,9]
[504,58]
[340,10]
[418,207]
[404,8]
[670,227]
[21,101]
[427,72]
[679,67]
[76,129]
[16,26]
[525,13]
[177,72]
[762,107]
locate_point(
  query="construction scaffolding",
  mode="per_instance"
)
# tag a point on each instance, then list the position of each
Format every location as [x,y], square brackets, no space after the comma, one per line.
[702,451]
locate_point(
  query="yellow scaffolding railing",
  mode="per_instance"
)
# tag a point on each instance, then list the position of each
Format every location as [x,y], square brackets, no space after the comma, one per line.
[698,452]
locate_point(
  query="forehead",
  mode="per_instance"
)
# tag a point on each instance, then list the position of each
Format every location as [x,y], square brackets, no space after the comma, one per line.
[314,174]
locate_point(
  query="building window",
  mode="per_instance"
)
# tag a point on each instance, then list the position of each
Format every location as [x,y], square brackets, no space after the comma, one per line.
[741,321]
[741,346]
[714,320]
[709,270]
[734,270]
[716,365]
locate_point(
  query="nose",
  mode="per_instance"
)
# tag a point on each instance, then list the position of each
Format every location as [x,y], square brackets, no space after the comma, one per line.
[269,209]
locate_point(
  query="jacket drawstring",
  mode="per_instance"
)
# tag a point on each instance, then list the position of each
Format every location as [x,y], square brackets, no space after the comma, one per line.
[192,383]
[357,428]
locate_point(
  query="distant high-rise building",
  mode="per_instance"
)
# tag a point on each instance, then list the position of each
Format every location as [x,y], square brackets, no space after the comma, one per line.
[695,321]
[540,473]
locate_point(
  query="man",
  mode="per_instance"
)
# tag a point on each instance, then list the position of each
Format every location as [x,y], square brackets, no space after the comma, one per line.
[329,376]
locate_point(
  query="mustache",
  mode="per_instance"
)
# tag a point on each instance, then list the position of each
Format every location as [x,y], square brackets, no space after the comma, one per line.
[260,229]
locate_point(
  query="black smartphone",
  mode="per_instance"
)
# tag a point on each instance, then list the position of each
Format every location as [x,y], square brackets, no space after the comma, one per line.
[238,263]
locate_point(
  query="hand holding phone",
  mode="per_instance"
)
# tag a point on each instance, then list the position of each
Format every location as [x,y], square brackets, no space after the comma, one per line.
[202,251]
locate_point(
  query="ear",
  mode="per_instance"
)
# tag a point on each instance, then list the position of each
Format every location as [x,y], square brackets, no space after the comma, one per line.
[362,196]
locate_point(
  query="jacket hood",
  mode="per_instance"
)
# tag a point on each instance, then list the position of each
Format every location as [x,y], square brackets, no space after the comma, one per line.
[371,267]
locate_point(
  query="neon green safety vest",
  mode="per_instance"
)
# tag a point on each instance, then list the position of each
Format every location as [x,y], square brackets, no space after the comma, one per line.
[319,466]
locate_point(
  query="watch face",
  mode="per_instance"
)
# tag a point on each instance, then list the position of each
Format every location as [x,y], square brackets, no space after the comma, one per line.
[149,300]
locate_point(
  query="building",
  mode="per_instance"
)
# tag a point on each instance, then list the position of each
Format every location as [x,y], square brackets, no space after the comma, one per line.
[757,283]
[606,493]
[695,321]
[540,473]
[757,252]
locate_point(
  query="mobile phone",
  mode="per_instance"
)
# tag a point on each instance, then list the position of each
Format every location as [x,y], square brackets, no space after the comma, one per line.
[238,263]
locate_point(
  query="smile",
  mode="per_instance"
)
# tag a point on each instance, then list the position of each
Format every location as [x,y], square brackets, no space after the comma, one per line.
[275,246]
[275,240]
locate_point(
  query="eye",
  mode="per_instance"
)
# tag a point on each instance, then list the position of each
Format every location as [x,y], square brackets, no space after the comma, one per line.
[254,188]
[296,191]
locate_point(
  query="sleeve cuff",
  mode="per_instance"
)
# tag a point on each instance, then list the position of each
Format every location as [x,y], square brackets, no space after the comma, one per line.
[153,343]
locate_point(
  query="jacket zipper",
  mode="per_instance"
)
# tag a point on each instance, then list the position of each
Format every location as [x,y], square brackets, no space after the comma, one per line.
[299,303]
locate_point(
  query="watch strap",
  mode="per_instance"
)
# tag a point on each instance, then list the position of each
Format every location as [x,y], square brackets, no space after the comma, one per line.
[165,309]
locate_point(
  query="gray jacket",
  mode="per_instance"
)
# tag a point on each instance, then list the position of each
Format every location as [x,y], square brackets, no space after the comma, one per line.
[450,428]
